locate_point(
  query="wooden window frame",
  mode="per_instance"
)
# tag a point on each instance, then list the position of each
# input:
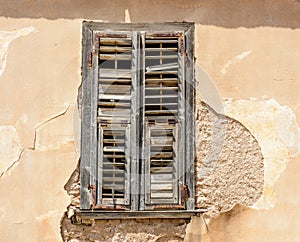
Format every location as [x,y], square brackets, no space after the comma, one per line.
[90,146]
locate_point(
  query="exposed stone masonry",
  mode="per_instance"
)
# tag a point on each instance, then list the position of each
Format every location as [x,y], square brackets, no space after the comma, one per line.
[229,163]
[229,171]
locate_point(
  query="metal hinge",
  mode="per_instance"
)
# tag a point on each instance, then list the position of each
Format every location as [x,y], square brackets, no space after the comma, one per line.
[90,62]
[92,53]
[182,46]
[184,193]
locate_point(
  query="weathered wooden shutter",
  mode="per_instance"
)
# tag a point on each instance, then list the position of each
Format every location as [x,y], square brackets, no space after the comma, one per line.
[137,147]
[163,116]
[114,61]
[116,69]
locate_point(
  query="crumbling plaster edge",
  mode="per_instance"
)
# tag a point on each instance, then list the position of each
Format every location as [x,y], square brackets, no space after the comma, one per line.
[256,113]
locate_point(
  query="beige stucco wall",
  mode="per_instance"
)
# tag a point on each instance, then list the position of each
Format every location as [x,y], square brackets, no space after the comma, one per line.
[248,68]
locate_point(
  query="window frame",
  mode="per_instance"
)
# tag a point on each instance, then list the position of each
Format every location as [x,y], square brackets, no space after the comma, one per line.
[88,170]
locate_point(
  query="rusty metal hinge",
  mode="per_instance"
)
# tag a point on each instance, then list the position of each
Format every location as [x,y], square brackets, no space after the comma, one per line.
[182,46]
[90,62]
[91,55]
[184,193]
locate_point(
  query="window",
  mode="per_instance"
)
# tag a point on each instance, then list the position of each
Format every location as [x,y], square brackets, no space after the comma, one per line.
[137,144]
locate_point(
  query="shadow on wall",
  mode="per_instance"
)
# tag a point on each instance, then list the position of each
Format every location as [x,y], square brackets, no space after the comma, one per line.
[229,13]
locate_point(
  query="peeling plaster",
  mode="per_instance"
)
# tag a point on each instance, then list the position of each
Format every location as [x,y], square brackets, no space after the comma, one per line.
[10,149]
[6,37]
[195,229]
[276,129]
[127,18]
[235,60]
[229,166]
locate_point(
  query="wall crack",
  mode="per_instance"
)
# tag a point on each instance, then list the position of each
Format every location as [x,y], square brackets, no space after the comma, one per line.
[36,129]
[15,163]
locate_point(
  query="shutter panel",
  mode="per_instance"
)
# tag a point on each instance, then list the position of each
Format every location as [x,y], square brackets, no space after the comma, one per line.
[163,113]
[137,148]
[114,120]
[114,165]
[162,165]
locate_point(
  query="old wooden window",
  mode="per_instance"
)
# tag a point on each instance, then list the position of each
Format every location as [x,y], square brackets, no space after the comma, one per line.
[137,146]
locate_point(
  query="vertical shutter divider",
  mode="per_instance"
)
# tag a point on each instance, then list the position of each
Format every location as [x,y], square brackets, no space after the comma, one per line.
[189,117]
[176,165]
[181,116]
[142,143]
[85,163]
[134,125]
[94,129]
[147,164]
[100,165]
[127,185]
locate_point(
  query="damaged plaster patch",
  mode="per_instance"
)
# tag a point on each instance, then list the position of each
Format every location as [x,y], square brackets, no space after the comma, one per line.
[127,18]
[229,163]
[141,230]
[229,171]
[6,37]
[235,60]
[276,129]
[10,149]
